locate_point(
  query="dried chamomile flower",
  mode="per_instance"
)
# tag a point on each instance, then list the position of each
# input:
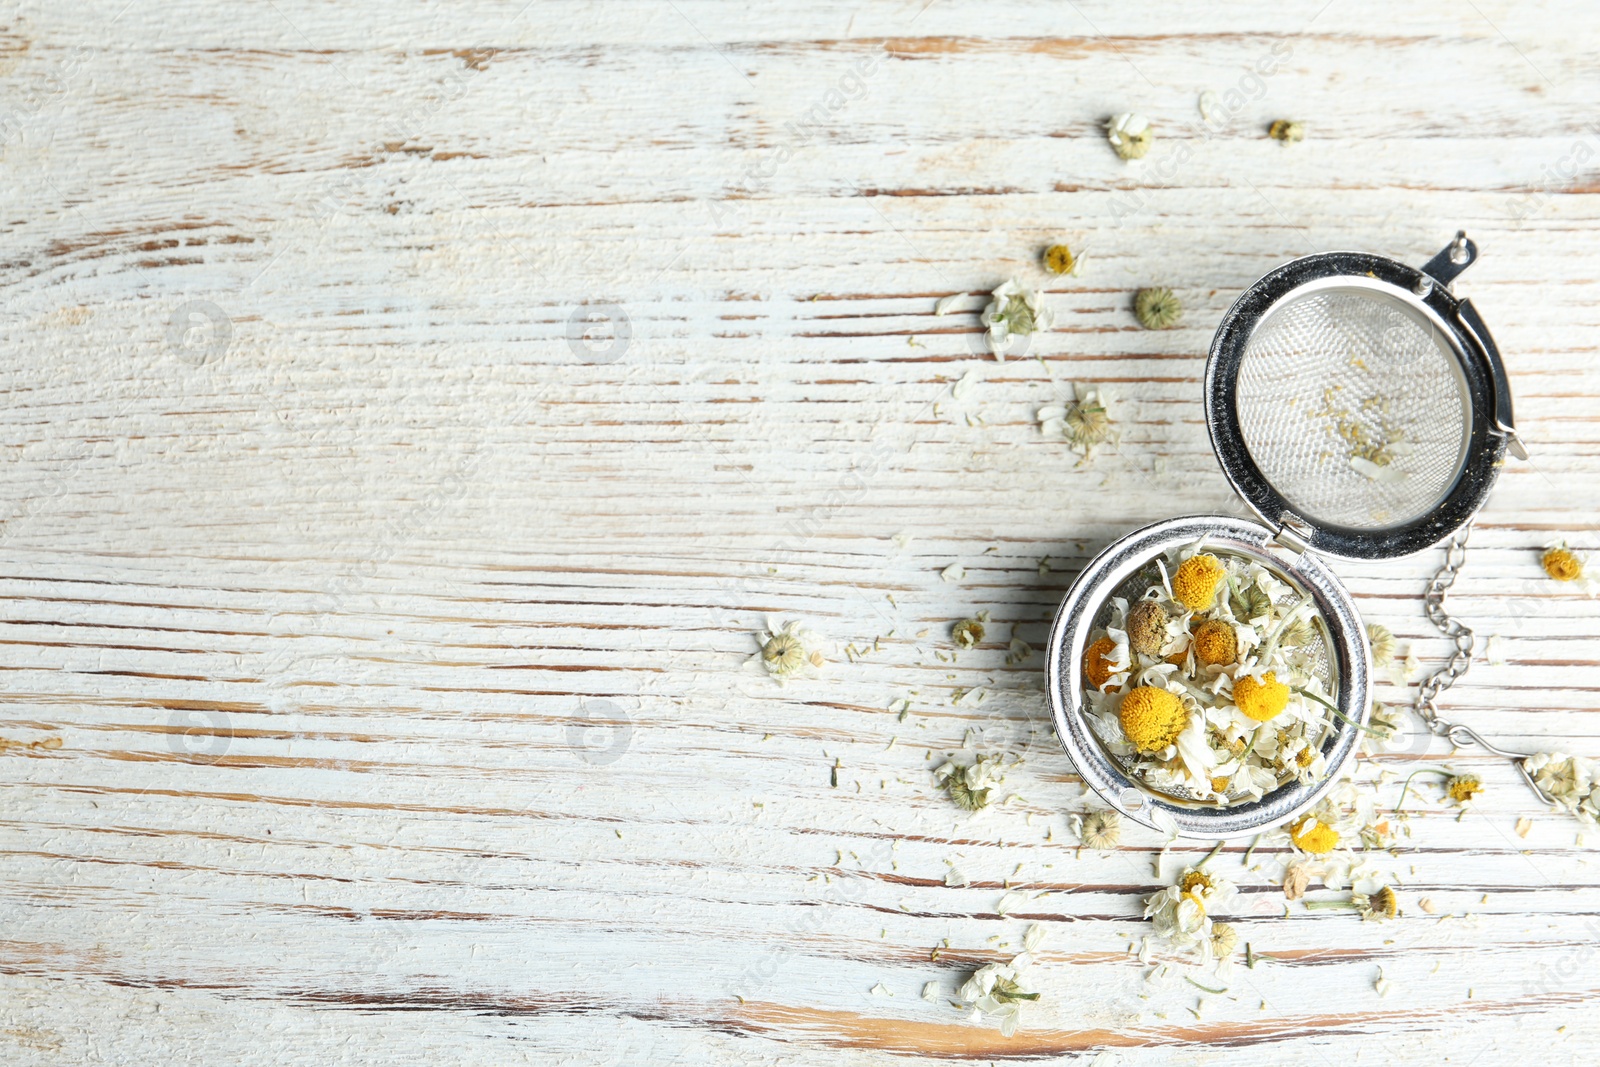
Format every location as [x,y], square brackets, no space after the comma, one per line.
[1287,131]
[1251,603]
[1152,718]
[1382,642]
[1130,135]
[1179,919]
[1059,259]
[1086,423]
[969,632]
[1462,788]
[1195,583]
[1181,913]
[1573,782]
[1261,699]
[1089,421]
[1097,665]
[997,990]
[971,785]
[1300,632]
[1378,906]
[1313,835]
[1157,309]
[1561,563]
[1014,310]
[1147,627]
[788,650]
[1101,829]
[1224,939]
[1215,642]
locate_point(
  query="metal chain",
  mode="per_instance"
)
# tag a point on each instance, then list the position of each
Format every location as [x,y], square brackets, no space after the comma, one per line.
[1455,554]
[1458,734]
[1426,707]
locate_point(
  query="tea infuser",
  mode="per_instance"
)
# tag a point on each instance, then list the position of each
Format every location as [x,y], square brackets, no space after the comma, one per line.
[1362,412]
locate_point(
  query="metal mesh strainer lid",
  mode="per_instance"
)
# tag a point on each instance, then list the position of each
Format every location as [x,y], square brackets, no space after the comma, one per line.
[1356,405]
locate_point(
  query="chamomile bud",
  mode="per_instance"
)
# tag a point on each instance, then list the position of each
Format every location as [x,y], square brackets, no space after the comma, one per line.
[1158,308]
[1130,135]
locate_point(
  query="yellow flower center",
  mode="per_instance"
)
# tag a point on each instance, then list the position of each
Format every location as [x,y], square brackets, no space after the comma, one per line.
[1562,565]
[1215,642]
[1096,662]
[1305,756]
[1152,718]
[1314,836]
[1261,700]
[1195,583]
[1058,259]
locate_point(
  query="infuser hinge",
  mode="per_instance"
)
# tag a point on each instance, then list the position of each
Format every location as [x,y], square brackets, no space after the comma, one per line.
[1294,533]
[1456,257]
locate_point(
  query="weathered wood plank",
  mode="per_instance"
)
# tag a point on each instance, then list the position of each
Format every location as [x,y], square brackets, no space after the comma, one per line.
[394,640]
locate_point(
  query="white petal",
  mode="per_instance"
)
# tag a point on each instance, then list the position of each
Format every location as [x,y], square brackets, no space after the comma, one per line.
[1378,474]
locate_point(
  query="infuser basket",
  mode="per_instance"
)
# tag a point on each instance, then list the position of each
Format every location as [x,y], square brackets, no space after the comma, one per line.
[1362,412]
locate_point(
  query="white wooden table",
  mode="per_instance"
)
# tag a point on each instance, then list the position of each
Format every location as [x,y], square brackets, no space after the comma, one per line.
[392,616]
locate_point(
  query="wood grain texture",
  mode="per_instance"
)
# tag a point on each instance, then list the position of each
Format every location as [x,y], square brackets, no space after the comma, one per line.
[395,638]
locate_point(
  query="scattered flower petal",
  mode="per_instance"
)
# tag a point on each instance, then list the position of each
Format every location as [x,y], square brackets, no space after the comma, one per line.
[1130,135]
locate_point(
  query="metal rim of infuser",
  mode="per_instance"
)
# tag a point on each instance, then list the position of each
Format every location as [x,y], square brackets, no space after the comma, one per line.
[1337,357]
[1069,639]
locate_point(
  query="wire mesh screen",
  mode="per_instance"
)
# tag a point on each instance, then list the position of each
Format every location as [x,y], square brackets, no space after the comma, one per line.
[1352,405]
